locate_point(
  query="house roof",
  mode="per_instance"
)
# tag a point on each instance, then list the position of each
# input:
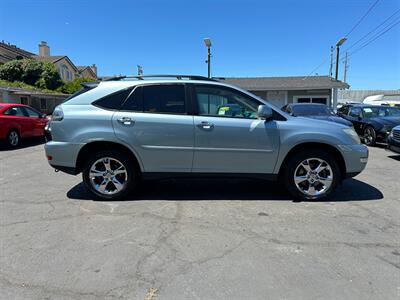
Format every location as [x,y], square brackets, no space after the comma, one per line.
[55,58]
[81,69]
[16,50]
[285,83]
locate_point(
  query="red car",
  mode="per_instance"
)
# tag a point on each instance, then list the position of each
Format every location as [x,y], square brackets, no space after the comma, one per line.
[18,121]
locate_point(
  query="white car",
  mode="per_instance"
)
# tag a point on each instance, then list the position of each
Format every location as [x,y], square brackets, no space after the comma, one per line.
[392,100]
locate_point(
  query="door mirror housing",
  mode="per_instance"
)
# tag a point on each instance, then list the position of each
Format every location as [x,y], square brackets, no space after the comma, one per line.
[264,112]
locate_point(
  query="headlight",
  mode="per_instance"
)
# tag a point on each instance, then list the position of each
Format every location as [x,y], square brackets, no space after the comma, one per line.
[58,114]
[353,134]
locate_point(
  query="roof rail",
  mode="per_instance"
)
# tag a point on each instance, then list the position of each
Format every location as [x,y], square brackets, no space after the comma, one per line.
[141,77]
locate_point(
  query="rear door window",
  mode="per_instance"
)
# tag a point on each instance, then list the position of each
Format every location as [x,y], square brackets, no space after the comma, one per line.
[164,99]
[134,101]
[31,113]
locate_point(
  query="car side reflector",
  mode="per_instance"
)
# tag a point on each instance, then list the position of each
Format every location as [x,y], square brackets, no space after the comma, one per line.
[49,157]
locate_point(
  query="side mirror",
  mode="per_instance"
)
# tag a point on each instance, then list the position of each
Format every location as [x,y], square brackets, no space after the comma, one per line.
[264,112]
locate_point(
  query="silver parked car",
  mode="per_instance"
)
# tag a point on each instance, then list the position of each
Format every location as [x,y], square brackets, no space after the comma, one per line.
[121,130]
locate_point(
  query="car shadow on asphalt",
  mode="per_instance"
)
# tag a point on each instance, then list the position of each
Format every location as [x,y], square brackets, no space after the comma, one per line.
[24,144]
[229,189]
[395,157]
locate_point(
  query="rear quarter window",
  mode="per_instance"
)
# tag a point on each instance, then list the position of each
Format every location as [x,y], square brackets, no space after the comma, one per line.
[113,101]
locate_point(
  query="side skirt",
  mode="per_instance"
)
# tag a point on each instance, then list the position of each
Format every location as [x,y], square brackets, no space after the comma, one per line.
[167,175]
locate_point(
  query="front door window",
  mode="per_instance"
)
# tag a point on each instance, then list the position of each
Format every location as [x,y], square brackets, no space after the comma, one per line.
[219,102]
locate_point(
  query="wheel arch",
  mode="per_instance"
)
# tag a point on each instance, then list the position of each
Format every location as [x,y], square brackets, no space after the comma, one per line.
[91,147]
[316,145]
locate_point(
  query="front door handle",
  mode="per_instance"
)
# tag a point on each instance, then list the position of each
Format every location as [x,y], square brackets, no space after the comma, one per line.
[126,121]
[206,125]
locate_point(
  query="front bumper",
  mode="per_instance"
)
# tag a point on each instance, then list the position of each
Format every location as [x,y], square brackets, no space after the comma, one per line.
[62,155]
[355,157]
[393,144]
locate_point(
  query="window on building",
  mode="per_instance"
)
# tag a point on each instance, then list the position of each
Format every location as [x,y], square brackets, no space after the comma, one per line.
[221,102]
[24,100]
[312,99]
[43,104]
[164,99]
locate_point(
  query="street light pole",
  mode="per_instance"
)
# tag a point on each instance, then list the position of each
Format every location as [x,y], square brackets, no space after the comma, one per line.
[207,42]
[338,44]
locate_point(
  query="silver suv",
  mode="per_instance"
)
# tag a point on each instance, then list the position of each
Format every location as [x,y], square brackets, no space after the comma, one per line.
[119,131]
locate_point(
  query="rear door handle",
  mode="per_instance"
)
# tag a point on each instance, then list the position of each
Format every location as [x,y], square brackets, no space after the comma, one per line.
[126,121]
[206,125]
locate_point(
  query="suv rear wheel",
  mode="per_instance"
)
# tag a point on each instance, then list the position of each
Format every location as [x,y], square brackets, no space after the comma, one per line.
[311,175]
[110,175]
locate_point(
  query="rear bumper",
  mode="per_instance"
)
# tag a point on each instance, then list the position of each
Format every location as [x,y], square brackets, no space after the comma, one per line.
[62,156]
[355,157]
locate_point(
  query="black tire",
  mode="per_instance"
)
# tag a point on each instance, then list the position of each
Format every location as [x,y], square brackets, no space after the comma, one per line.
[13,138]
[369,136]
[289,169]
[130,182]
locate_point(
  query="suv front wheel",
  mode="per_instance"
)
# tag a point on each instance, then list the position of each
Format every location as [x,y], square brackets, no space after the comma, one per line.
[109,175]
[311,175]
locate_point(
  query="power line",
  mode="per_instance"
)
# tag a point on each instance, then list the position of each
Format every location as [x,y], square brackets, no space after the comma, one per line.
[373,30]
[351,30]
[362,18]
[374,38]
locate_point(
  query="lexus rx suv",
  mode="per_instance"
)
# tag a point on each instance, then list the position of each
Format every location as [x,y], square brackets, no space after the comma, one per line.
[125,129]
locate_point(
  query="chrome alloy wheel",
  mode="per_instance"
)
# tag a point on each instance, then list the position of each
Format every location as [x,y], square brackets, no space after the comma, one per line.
[313,177]
[369,136]
[13,138]
[108,176]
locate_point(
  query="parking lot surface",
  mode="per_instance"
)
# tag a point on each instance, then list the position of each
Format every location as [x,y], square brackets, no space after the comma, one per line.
[197,239]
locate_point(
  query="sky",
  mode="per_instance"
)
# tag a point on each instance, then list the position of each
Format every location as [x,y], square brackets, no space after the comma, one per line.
[249,37]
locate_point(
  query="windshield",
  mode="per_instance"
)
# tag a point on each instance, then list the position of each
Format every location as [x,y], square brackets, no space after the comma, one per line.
[380,111]
[312,110]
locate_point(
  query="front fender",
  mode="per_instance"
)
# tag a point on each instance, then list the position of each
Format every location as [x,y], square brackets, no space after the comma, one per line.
[290,141]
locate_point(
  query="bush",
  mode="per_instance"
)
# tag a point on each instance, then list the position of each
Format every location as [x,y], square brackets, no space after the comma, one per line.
[49,78]
[73,86]
[32,71]
[41,74]
[12,70]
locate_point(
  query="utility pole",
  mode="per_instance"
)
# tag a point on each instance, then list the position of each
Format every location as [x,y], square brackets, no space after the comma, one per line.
[139,70]
[345,67]
[330,68]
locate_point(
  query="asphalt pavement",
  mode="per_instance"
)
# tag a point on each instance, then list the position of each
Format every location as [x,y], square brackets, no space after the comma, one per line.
[196,239]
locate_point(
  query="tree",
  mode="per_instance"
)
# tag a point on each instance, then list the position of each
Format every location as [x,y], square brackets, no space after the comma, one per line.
[12,70]
[49,78]
[32,71]
[73,86]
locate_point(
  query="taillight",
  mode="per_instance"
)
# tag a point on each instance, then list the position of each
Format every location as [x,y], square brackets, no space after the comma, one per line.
[58,114]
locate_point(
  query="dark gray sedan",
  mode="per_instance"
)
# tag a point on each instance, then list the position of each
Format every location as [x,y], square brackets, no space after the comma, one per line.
[315,111]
